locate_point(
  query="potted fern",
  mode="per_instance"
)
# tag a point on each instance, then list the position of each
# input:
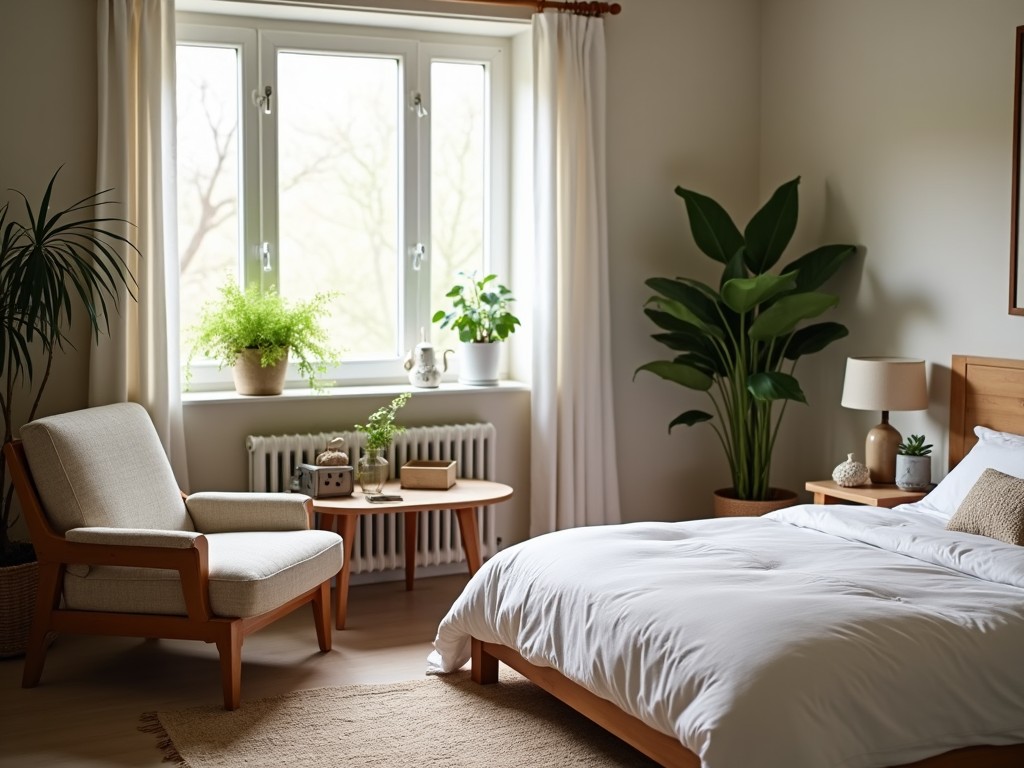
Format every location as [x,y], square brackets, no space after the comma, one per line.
[52,261]
[481,315]
[739,340]
[255,332]
[913,464]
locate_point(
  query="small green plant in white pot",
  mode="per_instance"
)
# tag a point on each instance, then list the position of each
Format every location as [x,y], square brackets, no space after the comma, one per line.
[254,332]
[913,464]
[481,315]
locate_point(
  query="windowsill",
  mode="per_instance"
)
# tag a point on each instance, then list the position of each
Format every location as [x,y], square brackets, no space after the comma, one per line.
[334,393]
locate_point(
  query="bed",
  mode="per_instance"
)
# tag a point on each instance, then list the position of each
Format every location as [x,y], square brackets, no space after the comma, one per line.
[816,637]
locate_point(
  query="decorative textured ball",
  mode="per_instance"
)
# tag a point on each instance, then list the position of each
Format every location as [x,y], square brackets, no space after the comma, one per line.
[850,473]
[334,455]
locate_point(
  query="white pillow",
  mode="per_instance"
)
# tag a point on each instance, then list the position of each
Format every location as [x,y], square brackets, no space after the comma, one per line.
[996,450]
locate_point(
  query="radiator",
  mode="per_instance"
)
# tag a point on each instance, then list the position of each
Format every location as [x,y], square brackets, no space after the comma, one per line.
[378,545]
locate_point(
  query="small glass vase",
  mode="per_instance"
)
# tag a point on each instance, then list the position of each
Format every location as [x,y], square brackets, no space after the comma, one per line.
[372,470]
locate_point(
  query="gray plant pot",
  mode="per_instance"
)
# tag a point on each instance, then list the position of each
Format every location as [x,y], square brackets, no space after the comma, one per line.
[913,473]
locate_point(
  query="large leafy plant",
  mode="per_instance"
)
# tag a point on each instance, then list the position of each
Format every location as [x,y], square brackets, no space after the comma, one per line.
[254,319]
[740,341]
[51,262]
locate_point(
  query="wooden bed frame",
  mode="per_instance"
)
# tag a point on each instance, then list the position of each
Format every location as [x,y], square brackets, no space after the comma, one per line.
[983,390]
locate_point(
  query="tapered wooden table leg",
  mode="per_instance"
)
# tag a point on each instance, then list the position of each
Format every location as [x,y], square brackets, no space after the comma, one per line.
[470,537]
[411,520]
[347,529]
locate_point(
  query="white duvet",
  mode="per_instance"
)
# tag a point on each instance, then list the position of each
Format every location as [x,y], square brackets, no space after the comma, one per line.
[814,637]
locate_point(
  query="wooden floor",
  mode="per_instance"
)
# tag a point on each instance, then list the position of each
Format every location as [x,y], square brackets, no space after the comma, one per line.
[86,709]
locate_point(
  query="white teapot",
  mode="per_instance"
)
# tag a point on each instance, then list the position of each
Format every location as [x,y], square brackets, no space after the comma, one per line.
[421,364]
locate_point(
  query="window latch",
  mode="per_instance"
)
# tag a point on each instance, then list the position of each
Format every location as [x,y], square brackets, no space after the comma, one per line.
[419,253]
[263,101]
[265,256]
[416,104]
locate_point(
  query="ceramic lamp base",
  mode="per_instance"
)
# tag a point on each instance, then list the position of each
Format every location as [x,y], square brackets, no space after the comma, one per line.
[880,453]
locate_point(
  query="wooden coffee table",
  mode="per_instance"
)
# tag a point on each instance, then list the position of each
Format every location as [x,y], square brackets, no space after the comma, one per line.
[464,497]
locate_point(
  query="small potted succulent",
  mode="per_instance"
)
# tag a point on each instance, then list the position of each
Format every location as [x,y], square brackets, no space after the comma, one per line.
[255,331]
[913,464]
[480,313]
[380,429]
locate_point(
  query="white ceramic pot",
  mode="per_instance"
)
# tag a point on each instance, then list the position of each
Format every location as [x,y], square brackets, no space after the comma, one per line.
[913,473]
[479,363]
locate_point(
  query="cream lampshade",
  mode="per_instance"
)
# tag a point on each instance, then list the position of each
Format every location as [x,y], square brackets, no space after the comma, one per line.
[884,384]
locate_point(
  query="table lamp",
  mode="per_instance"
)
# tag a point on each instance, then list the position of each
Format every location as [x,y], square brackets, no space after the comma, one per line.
[884,384]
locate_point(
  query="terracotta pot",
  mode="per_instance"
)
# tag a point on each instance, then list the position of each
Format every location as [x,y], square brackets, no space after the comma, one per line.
[253,379]
[727,505]
[18,584]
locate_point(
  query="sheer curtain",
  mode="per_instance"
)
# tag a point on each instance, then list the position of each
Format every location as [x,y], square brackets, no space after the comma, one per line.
[135,157]
[573,472]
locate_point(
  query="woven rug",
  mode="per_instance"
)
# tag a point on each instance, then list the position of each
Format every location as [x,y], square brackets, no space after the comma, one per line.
[437,721]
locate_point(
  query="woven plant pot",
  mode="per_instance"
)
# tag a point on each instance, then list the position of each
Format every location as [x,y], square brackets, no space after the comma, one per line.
[727,505]
[253,379]
[18,586]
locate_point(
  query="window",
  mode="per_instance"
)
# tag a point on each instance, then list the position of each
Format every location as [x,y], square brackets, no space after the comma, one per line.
[372,167]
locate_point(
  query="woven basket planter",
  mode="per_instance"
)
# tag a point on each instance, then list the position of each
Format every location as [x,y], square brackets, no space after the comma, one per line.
[18,586]
[727,505]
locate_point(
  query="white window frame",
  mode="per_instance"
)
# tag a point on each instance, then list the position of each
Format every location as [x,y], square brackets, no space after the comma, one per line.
[258,42]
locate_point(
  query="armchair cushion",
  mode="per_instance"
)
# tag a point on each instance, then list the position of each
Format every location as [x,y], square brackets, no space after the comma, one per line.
[103,467]
[250,573]
[219,512]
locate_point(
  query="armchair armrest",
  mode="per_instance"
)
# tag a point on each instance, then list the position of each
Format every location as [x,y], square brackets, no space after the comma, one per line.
[133,537]
[218,512]
[186,552]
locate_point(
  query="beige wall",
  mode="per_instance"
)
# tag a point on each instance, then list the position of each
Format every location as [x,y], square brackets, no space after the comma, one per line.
[48,57]
[898,116]
[895,112]
[683,109]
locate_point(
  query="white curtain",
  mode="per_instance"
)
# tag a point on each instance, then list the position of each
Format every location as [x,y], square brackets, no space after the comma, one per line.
[573,471]
[139,361]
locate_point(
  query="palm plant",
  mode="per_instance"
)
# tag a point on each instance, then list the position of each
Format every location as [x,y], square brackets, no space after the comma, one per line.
[58,258]
[740,342]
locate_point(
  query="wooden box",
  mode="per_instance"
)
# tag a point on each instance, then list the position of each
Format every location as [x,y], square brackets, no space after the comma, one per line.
[428,475]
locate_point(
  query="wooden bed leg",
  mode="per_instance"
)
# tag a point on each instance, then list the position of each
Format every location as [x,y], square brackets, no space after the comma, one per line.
[485,666]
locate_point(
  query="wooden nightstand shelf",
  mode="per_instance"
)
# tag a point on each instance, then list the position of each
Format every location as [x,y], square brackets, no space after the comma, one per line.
[827,492]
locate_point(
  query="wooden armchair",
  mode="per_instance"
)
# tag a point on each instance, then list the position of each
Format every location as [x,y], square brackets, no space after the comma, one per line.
[123,552]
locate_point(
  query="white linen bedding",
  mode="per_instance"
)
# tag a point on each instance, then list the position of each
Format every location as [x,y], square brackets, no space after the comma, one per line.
[814,637]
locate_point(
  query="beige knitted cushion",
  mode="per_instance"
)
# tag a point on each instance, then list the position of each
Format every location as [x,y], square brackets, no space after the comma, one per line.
[250,573]
[994,507]
[103,467]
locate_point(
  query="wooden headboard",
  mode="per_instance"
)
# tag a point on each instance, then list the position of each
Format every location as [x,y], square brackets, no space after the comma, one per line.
[983,390]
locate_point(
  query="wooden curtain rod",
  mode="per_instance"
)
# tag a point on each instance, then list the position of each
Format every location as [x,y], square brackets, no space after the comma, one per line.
[579,7]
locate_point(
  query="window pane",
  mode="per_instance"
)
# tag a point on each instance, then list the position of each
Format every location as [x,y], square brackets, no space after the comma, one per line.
[338,164]
[458,192]
[208,174]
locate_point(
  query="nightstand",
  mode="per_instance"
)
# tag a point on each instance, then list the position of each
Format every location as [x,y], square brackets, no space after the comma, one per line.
[827,492]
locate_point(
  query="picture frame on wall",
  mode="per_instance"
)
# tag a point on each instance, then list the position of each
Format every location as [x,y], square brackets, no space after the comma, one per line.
[1016,223]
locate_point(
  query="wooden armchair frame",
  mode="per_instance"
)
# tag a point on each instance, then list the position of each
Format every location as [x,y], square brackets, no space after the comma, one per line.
[55,553]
